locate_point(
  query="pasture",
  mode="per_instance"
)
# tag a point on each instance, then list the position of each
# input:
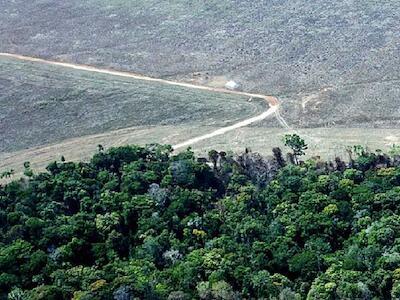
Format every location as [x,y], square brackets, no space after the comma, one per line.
[333,65]
[42,104]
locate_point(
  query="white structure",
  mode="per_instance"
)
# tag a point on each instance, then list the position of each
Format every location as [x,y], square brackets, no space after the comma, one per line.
[231,85]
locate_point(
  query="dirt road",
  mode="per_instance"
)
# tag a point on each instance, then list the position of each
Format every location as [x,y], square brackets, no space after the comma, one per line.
[272,101]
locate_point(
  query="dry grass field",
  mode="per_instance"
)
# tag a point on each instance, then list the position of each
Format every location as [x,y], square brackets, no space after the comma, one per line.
[341,57]
[334,66]
[42,104]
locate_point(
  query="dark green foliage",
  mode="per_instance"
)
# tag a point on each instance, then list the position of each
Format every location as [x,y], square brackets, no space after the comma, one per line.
[139,223]
[296,143]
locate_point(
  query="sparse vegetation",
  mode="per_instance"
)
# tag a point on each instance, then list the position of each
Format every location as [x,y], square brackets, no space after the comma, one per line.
[47,104]
[305,53]
[338,58]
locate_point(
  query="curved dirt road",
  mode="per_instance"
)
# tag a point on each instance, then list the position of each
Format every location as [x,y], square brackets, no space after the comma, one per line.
[272,101]
[223,130]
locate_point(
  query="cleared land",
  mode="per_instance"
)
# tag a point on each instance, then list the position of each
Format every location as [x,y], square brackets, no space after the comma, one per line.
[43,104]
[334,65]
[293,49]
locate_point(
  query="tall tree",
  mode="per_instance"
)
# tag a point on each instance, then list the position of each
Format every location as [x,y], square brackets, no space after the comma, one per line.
[297,144]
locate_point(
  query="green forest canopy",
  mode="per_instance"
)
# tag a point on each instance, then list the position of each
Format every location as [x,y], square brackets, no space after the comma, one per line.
[142,223]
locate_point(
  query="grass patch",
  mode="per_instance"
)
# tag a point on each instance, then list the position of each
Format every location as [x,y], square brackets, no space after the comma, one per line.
[43,104]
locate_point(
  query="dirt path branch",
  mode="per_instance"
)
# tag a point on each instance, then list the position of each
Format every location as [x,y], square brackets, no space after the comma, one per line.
[272,101]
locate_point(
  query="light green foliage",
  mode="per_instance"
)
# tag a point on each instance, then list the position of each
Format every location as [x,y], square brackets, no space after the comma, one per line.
[394,150]
[17,294]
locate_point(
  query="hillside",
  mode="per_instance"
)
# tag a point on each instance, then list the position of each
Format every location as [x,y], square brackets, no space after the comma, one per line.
[143,223]
[333,66]
[110,187]
[43,104]
[332,63]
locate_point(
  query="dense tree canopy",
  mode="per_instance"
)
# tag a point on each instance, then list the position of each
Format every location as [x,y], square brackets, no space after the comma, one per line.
[141,223]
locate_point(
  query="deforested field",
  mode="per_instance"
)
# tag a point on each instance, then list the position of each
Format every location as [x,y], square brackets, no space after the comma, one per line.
[333,65]
[335,61]
[42,104]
